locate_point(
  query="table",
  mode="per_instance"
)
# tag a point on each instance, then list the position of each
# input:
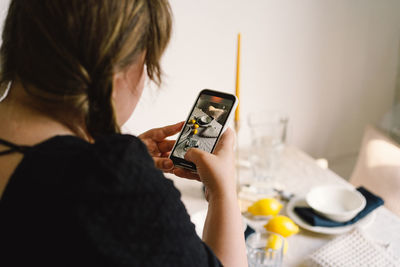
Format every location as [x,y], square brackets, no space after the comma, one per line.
[299,172]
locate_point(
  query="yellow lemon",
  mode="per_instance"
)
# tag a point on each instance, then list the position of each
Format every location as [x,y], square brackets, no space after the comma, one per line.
[192,121]
[282,225]
[196,126]
[275,242]
[195,131]
[265,207]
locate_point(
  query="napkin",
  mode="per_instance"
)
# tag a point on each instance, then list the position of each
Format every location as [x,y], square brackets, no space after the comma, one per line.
[248,231]
[353,249]
[314,219]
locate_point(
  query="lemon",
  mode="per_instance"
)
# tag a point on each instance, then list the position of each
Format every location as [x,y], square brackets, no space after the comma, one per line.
[282,225]
[195,131]
[275,241]
[196,126]
[265,207]
[192,121]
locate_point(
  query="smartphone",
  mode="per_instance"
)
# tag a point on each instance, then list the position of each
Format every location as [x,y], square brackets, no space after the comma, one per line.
[204,126]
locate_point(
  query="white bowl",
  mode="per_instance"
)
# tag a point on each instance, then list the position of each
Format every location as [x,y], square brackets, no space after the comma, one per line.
[337,203]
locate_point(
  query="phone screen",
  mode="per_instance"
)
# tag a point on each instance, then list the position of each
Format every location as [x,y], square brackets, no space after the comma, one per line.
[205,123]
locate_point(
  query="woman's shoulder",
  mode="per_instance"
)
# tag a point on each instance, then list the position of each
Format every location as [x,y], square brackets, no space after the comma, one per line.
[112,162]
[78,172]
[110,149]
[108,145]
[121,147]
[119,142]
[125,159]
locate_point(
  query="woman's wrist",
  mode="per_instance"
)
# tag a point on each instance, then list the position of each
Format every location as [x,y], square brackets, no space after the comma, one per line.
[221,186]
[222,196]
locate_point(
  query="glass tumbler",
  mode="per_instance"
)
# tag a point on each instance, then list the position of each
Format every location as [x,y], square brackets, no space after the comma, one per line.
[265,249]
[268,136]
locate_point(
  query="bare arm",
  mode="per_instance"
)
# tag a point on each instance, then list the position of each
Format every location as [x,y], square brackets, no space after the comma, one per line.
[223,230]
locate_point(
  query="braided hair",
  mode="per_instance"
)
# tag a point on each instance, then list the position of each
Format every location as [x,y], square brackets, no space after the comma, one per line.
[66,52]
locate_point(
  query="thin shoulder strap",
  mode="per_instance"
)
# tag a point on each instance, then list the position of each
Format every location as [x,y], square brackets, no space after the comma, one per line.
[12,148]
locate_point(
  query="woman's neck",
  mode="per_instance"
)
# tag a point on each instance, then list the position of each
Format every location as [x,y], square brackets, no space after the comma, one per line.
[23,124]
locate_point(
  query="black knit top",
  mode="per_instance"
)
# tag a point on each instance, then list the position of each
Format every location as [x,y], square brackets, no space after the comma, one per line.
[72,203]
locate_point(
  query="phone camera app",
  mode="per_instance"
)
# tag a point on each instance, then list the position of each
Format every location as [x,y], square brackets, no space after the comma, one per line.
[204,125]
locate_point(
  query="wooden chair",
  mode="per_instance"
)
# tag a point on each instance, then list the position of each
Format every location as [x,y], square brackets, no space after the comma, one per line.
[378,167]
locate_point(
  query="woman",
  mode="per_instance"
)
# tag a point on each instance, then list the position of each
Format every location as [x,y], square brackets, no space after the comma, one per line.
[76,192]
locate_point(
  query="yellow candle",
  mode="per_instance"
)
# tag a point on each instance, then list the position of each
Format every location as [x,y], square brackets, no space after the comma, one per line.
[237,77]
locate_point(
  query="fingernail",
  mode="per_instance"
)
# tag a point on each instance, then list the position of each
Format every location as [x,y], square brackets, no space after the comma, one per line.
[168,164]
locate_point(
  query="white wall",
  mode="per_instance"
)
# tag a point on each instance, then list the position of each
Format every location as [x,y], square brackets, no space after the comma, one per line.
[3,11]
[331,65]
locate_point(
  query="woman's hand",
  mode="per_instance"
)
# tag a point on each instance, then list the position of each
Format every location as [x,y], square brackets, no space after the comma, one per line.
[217,170]
[223,229]
[159,147]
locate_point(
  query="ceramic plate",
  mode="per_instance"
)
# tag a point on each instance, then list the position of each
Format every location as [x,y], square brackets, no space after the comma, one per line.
[300,201]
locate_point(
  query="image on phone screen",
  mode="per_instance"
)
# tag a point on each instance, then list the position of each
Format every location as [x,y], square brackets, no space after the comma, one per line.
[204,125]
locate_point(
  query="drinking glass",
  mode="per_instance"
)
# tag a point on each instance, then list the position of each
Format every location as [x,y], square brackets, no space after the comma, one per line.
[268,136]
[265,249]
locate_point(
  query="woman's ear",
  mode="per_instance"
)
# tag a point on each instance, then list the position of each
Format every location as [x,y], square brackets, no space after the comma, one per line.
[127,90]
[117,83]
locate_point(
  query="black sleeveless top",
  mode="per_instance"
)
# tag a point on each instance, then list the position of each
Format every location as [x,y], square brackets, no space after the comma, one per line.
[72,203]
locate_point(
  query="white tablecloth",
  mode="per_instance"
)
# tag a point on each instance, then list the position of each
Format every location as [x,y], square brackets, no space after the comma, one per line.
[298,174]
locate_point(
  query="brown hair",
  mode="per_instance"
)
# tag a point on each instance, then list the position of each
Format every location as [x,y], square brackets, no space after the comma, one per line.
[65,53]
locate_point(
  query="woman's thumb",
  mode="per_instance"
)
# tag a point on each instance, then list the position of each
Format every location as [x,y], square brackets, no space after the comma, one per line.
[196,156]
[226,142]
